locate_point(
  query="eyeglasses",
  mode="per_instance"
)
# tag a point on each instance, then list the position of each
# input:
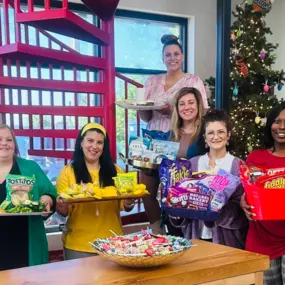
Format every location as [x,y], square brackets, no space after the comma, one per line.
[221,134]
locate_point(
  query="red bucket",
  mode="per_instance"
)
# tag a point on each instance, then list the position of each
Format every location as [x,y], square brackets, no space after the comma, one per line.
[268,203]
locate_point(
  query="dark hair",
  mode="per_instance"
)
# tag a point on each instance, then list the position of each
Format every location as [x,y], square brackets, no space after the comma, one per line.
[107,167]
[214,115]
[268,140]
[168,40]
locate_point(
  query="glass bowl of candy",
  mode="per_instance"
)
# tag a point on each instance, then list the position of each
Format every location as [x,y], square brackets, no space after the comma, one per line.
[141,250]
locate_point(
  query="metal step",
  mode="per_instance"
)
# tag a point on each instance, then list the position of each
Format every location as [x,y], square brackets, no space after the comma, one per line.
[21,51]
[65,22]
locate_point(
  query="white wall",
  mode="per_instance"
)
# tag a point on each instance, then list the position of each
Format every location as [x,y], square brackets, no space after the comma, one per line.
[202,29]
[276,21]
[202,39]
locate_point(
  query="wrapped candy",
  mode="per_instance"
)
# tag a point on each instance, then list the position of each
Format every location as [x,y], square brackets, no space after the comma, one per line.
[173,171]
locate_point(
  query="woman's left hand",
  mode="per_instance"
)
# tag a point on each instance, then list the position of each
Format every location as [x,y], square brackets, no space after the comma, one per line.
[129,204]
[47,200]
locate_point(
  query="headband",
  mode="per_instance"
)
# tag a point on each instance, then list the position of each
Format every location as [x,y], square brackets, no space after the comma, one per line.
[93,126]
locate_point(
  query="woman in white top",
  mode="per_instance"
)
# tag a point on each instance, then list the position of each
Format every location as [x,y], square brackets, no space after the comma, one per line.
[231,227]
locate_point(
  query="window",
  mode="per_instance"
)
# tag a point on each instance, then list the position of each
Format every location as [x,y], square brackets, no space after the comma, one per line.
[138,54]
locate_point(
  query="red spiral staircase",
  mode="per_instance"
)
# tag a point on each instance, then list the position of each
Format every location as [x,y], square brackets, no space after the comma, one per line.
[17,53]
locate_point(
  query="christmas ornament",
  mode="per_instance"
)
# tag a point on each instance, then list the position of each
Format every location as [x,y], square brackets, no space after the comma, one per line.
[274,57]
[262,54]
[265,88]
[262,20]
[239,32]
[280,86]
[235,91]
[233,36]
[261,6]
[263,122]
[257,120]
[250,148]
[242,67]
[235,51]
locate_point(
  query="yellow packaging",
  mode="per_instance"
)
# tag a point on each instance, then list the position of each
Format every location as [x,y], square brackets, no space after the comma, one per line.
[125,182]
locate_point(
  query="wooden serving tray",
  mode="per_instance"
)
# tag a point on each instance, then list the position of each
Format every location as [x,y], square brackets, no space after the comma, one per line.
[111,198]
[25,214]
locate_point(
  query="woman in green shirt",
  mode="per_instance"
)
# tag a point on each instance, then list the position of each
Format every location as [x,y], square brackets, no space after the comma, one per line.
[23,239]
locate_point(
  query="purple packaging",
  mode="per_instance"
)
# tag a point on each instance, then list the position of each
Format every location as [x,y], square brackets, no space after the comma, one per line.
[178,197]
[221,186]
[199,201]
[171,172]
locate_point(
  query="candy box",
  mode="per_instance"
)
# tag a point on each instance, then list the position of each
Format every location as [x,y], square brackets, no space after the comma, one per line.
[171,172]
[166,148]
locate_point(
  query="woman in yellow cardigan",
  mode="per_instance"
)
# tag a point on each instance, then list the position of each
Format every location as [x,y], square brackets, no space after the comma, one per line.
[91,162]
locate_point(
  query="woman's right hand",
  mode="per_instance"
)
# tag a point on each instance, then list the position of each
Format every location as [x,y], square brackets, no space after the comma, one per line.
[166,110]
[61,207]
[246,208]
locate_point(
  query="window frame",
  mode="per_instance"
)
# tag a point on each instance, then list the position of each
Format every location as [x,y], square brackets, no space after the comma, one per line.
[183,22]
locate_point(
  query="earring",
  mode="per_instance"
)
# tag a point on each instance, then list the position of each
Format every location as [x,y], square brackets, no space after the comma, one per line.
[228,143]
[206,145]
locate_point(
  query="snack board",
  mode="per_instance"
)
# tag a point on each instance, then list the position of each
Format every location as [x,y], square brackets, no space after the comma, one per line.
[126,187]
[110,198]
[25,214]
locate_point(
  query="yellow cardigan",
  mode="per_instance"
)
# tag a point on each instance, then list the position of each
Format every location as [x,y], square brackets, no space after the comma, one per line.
[88,221]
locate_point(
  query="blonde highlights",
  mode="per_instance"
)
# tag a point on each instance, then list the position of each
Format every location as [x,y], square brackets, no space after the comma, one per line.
[176,120]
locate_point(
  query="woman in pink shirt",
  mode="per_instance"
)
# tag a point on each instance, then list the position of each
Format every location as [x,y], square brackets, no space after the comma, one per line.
[163,88]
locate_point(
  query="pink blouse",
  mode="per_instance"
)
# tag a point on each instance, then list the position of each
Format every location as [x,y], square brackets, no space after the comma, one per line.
[154,87]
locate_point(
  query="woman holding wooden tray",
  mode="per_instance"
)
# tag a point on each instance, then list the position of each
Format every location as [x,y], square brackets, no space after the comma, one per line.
[91,163]
[23,240]
[163,88]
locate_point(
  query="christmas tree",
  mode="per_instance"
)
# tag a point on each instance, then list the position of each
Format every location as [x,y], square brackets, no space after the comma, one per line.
[252,77]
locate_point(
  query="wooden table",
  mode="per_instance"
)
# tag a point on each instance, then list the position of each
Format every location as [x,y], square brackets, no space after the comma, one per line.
[207,264]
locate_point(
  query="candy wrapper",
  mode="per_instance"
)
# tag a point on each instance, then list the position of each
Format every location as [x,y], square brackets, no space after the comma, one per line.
[268,178]
[171,172]
[19,195]
[178,197]
[199,201]
[126,182]
[220,186]
[201,196]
